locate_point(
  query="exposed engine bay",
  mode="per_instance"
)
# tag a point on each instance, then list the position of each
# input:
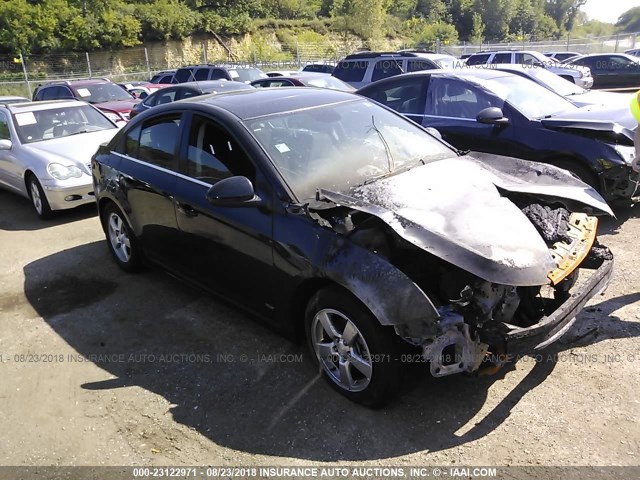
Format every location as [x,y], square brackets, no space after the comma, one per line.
[475,314]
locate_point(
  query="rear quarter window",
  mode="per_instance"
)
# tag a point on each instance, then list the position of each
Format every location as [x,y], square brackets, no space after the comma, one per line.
[351,71]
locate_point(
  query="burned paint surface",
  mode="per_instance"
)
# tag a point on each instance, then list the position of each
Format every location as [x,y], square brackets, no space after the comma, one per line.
[455,211]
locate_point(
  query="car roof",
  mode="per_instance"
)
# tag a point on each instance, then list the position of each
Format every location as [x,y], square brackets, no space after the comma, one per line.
[367,54]
[260,102]
[92,81]
[481,73]
[43,105]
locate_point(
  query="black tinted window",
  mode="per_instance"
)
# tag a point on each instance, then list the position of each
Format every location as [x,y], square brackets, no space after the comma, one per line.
[165,97]
[4,127]
[202,74]
[478,59]
[501,58]
[132,142]
[348,71]
[158,141]
[404,95]
[218,74]
[183,75]
[386,68]
[213,154]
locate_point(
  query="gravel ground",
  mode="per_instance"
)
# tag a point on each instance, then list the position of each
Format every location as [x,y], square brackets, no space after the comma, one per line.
[103,368]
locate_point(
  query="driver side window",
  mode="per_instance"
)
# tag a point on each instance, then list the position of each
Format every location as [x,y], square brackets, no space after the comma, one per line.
[456,99]
[213,154]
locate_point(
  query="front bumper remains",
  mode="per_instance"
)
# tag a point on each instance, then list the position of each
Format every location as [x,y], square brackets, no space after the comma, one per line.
[518,340]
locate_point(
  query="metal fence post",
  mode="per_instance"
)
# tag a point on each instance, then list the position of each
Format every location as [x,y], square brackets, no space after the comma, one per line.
[297,54]
[146,59]
[617,42]
[26,77]
[88,64]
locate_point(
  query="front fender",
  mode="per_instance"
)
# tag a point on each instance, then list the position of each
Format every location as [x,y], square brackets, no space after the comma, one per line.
[392,297]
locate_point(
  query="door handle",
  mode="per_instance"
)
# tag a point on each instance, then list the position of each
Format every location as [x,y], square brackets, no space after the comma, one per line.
[186,210]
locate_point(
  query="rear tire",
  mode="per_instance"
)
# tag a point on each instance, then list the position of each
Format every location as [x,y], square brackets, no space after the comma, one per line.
[120,239]
[356,355]
[38,198]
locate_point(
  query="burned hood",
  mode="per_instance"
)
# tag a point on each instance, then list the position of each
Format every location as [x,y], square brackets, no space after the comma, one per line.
[615,123]
[454,210]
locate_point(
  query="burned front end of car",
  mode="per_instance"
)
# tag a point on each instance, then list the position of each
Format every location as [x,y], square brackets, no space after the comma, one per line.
[485,323]
[506,262]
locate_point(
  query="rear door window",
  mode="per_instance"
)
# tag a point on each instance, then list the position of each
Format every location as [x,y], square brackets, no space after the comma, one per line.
[501,58]
[158,141]
[479,59]
[201,74]
[389,67]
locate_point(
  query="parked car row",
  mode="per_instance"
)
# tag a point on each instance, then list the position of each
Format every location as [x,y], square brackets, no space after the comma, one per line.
[339,221]
[442,214]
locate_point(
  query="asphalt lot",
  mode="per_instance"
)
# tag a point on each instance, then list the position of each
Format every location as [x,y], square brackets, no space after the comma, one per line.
[104,368]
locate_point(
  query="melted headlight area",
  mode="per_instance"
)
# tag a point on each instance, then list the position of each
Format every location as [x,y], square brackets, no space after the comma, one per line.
[474,314]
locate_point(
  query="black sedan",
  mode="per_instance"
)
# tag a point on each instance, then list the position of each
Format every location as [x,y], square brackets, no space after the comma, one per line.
[186,90]
[334,218]
[502,113]
[611,70]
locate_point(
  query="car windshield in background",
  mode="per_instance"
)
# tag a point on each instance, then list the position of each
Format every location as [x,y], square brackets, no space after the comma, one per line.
[556,83]
[327,81]
[102,92]
[531,99]
[340,146]
[38,125]
[246,74]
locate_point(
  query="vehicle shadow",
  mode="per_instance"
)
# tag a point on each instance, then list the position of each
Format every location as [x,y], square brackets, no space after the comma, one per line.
[17,214]
[611,226]
[241,385]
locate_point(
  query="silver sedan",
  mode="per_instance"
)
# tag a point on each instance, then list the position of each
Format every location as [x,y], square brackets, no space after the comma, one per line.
[45,151]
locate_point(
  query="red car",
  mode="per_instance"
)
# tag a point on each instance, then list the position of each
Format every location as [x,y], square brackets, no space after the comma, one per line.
[112,100]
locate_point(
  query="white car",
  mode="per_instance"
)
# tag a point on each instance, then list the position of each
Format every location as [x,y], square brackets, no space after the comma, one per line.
[45,151]
[579,75]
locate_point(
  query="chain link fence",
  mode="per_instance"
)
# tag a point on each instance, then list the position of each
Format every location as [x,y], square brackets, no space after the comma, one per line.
[20,75]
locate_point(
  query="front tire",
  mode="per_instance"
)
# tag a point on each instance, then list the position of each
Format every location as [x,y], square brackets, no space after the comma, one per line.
[38,198]
[120,239]
[356,355]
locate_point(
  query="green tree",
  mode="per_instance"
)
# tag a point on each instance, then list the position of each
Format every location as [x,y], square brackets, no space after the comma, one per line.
[165,19]
[16,25]
[629,21]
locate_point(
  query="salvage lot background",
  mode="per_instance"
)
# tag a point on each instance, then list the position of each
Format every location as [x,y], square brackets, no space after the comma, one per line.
[247,398]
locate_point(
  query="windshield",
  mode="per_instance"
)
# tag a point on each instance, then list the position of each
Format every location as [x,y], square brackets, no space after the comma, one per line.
[340,146]
[102,92]
[39,125]
[556,83]
[447,62]
[529,98]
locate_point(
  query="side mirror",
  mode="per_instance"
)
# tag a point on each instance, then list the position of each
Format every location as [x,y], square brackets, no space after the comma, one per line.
[492,116]
[232,192]
[6,144]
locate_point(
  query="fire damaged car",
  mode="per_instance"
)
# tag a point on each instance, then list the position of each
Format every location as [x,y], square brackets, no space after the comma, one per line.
[333,218]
